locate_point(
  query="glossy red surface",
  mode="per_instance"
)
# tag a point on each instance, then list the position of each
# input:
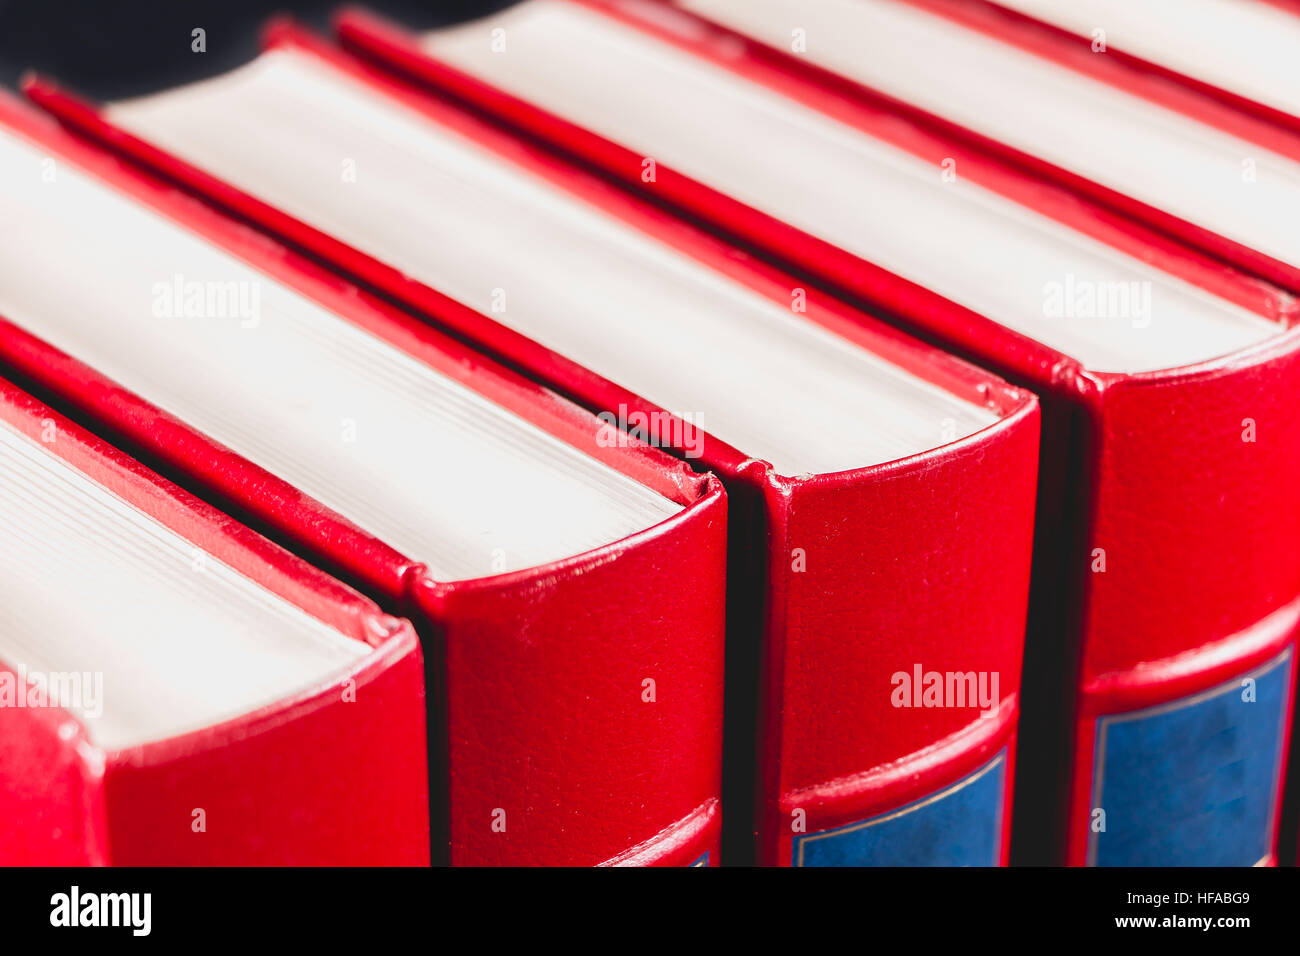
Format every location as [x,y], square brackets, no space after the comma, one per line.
[1149,467]
[841,625]
[660,608]
[270,791]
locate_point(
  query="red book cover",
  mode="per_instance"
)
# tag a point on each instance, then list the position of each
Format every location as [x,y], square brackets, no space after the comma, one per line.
[834,613]
[543,749]
[267,783]
[1152,485]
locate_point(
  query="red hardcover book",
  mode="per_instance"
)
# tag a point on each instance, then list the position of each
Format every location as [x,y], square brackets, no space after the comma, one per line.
[569,592]
[1200,170]
[1160,371]
[175,689]
[1234,52]
[878,576]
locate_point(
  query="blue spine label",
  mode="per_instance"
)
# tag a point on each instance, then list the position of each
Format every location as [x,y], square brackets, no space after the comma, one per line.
[1192,782]
[960,825]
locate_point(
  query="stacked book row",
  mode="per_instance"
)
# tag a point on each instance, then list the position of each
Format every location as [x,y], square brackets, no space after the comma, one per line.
[615,432]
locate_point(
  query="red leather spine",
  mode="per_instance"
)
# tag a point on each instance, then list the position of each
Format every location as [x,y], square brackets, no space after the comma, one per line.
[584,705]
[843,647]
[50,794]
[1192,501]
[321,780]
[921,562]
[675,626]
[1125,432]
[269,791]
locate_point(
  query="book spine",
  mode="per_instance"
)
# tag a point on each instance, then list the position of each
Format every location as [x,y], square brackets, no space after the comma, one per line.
[50,793]
[582,702]
[974,338]
[1194,779]
[898,601]
[336,776]
[1189,618]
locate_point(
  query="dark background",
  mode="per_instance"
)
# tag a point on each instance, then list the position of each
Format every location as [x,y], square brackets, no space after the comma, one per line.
[107,49]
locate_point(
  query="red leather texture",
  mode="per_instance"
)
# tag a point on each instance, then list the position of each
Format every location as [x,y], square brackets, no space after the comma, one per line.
[314,781]
[50,799]
[1151,467]
[924,561]
[586,758]
[571,793]
[1172,468]
[876,539]
[1199,529]
[67,801]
